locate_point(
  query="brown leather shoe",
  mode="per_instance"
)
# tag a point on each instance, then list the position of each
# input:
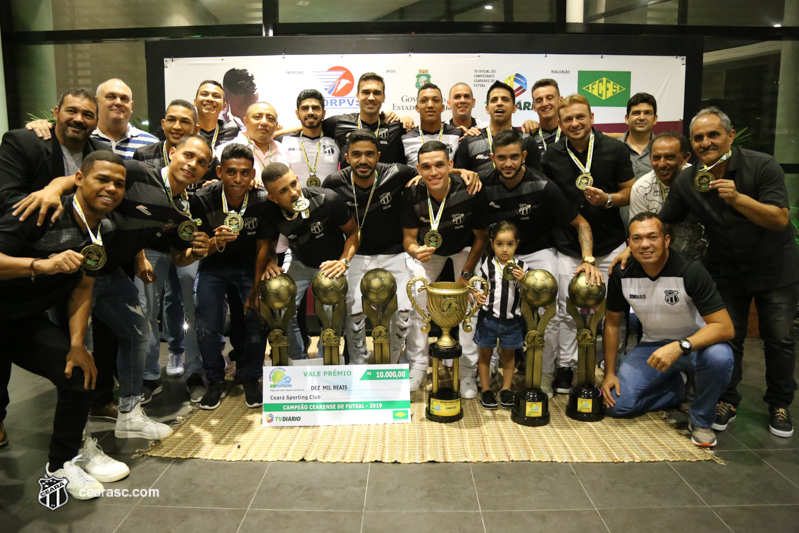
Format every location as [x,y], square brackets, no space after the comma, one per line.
[3,435]
[108,411]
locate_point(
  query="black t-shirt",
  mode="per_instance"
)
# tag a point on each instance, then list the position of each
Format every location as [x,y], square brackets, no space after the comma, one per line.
[462,214]
[144,216]
[669,306]
[473,153]
[738,248]
[611,166]
[389,136]
[413,140]
[381,231]
[153,154]
[536,205]
[206,205]
[315,239]
[21,297]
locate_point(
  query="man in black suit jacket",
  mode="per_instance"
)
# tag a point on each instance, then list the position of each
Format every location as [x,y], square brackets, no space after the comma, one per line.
[28,163]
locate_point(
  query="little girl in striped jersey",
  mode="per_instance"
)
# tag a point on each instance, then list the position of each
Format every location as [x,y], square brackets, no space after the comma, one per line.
[498,319]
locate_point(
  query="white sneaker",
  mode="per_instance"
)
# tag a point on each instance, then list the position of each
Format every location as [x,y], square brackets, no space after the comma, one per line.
[418,377]
[174,364]
[80,485]
[135,424]
[546,385]
[98,465]
[468,388]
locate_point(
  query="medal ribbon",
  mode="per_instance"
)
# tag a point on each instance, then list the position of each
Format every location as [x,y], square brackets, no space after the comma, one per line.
[723,158]
[304,153]
[257,154]
[227,210]
[184,197]
[377,131]
[98,240]
[440,133]
[587,168]
[355,199]
[541,136]
[435,222]
[166,155]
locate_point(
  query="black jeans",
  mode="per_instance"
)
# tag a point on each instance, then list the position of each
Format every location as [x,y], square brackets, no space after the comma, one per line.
[776,309]
[41,347]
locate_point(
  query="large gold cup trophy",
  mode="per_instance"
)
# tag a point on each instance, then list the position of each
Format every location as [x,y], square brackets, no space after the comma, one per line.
[329,295]
[539,289]
[585,398]
[448,306]
[379,299]
[277,307]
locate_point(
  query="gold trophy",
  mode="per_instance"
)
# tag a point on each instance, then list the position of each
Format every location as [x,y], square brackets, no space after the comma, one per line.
[448,305]
[539,289]
[330,293]
[277,307]
[379,299]
[585,398]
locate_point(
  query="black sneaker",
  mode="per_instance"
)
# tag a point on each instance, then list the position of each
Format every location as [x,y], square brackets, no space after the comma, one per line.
[780,422]
[151,388]
[488,399]
[213,396]
[506,399]
[725,413]
[195,387]
[563,380]
[253,394]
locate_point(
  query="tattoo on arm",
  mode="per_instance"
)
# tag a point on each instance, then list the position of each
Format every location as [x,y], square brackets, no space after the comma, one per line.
[585,237]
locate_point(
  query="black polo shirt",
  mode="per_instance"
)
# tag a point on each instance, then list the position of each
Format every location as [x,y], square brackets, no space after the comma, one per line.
[382,230]
[389,136]
[315,239]
[611,166]
[413,140]
[536,205]
[473,152]
[546,138]
[206,205]
[153,155]
[21,297]
[738,248]
[463,213]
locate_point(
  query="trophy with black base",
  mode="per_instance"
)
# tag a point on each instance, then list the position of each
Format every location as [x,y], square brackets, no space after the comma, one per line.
[329,295]
[539,289]
[448,305]
[277,307]
[585,398]
[379,300]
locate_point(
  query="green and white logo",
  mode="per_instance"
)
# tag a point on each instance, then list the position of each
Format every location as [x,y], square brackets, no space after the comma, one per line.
[605,88]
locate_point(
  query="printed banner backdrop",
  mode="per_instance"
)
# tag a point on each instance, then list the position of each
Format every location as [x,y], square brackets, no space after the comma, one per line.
[607,81]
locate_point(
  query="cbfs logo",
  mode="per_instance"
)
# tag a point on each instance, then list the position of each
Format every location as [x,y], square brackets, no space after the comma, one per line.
[337,81]
[518,83]
[279,379]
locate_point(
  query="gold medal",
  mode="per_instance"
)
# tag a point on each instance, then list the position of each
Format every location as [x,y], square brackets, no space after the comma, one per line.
[584,181]
[187,229]
[94,257]
[702,180]
[235,222]
[507,272]
[300,204]
[314,181]
[433,239]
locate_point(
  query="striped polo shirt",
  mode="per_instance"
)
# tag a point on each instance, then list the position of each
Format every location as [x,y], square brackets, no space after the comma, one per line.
[125,148]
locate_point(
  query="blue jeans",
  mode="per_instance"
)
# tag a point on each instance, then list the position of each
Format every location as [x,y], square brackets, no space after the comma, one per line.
[776,309]
[115,301]
[212,285]
[302,276]
[150,298]
[644,389]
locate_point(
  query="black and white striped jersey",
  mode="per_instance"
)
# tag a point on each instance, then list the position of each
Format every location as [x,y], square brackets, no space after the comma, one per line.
[504,296]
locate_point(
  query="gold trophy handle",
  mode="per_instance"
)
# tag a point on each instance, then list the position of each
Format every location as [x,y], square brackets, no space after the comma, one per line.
[466,326]
[425,316]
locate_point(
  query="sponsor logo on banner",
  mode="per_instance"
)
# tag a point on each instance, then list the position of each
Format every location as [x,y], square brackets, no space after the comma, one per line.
[337,81]
[422,78]
[605,88]
[278,378]
[518,83]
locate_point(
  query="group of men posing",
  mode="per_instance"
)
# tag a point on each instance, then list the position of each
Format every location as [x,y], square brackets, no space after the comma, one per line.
[204,210]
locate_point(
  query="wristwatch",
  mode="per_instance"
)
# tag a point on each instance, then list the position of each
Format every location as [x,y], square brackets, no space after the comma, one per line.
[466,274]
[609,203]
[590,260]
[686,346]
[346,263]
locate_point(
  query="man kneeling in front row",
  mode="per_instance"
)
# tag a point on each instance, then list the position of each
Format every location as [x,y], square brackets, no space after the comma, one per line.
[672,295]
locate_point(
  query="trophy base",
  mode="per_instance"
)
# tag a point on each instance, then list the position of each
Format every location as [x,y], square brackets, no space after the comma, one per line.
[585,404]
[444,406]
[445,353]
[530,408]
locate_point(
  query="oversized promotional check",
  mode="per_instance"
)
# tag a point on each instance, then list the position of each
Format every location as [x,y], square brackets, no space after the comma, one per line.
[336,395]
